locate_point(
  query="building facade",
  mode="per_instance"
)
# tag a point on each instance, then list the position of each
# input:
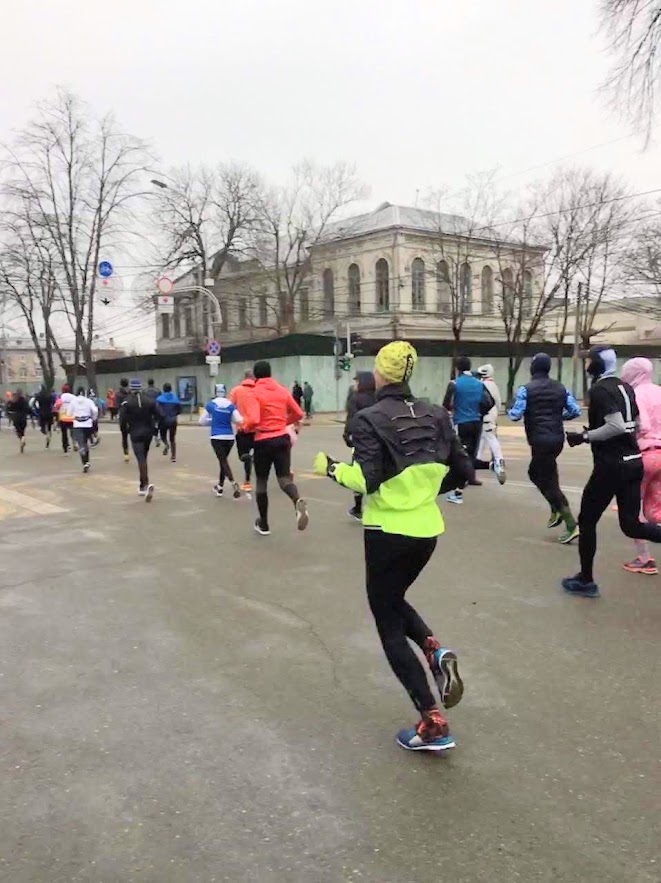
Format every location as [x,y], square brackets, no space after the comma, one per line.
[394,272]
[20,366]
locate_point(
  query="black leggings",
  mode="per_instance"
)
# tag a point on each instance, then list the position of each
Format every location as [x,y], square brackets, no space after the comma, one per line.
[20,425]
[46,424]
[67,431]
[125,439]
[608,480]
[469,435]
[393,563]
[222,448]
[141,450]
[82,435]
[276,453]
[245,442]
[543,472]
[168,436]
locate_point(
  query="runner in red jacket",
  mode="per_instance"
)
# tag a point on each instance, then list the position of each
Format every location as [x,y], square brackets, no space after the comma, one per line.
[269,411]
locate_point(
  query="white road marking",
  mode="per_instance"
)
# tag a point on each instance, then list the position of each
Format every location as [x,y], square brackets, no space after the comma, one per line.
[23,501]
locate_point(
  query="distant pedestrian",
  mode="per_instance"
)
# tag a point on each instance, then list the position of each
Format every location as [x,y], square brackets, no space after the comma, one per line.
[245,441]
[111,403]
[308,395]
[45,402]
[18,409]
[297,393]
[65,419]
[168,408]
[489,437]
[364,396]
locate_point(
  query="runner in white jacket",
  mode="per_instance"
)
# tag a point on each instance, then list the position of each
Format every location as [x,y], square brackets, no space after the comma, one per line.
[489,438]
[84,413]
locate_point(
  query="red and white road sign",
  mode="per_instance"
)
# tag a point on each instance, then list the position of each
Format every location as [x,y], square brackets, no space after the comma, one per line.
[164,285]
[165,303]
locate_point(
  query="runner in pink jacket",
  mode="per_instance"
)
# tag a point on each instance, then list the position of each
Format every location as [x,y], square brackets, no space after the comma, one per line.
[638,374]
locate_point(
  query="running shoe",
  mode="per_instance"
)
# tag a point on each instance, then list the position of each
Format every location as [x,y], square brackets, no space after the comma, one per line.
[554,521]
[166,449]
[149,496]
[355,514]
[173,459]
[126,458]
[455,497]
[22,446]
[569,536]
[217,489]
[639,566]
[498,467]
[444,668]
[86,467]
[430,734]
[262,528]
[236,490]
[142,492]
[246,487]
[302,517]
[575,585]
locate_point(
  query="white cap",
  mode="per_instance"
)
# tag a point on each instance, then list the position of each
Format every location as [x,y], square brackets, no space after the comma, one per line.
[221,389]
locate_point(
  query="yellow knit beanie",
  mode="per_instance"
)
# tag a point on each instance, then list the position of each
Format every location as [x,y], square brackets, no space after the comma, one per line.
[395,361]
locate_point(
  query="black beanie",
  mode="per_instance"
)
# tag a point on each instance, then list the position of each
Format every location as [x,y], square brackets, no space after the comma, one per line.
[541,364]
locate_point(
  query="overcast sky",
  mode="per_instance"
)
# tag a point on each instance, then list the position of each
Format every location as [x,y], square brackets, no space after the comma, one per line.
[417,93]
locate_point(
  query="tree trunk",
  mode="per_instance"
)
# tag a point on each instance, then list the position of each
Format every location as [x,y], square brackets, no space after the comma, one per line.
[560,360]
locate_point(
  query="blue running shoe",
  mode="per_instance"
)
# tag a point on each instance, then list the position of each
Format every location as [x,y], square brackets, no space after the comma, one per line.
[410,740]
[454,497]
[576,586]
[446,674]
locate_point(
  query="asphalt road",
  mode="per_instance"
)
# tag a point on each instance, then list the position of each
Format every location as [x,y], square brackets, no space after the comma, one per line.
[182,700]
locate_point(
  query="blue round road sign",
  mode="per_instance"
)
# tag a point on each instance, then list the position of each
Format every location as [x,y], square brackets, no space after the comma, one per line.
[105,269]
[213,348]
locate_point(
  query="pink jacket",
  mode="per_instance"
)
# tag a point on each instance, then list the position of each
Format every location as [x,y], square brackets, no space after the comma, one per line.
[638,374]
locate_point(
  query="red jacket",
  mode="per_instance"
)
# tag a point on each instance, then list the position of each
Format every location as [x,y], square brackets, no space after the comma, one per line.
[241,396]
[270,409]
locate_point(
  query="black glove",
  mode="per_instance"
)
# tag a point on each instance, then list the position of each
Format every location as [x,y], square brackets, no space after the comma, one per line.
[576,438]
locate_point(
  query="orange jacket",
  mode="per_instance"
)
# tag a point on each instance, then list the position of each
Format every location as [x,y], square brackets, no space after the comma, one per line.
[240,396]
[269,410]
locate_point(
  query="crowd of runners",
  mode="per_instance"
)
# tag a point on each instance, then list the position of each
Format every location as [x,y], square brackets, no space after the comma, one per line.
[405,452]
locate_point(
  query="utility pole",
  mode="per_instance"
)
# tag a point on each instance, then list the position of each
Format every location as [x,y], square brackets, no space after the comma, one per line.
[577,339]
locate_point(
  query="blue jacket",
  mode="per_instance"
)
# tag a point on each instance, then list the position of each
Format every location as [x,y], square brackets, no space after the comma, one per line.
[221,415]
[467,392]
[168,407]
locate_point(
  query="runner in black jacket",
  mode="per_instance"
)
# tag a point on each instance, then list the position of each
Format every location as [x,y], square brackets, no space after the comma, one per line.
[617,470]
[137,416]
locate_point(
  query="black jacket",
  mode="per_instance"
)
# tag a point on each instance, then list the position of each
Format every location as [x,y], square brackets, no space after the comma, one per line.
[610,395]
[545,406]
[362,397]
[18,408]
[400,431]
[138,416]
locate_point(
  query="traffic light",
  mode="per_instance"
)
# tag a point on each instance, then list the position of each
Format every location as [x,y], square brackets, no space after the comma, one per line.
[357,345]
[342,363]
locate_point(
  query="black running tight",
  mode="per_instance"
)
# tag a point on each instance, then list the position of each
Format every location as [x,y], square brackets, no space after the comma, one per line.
[393,563]
[222,448]
[609,480]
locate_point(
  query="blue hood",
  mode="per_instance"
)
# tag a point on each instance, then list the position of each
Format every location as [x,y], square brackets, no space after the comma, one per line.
[168,398]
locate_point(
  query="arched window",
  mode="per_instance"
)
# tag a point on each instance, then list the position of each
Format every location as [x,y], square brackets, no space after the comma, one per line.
[354,289]
[329,294]
[419,300]
[487,290]
[527,291]
[382,285]
[466,288]
[507,279]
[443,290]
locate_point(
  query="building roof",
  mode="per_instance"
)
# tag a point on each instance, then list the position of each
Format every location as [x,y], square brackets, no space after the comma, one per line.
[387,216]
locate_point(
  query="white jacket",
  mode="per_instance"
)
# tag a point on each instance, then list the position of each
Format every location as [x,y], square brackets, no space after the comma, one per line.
[83,411]
[491,418]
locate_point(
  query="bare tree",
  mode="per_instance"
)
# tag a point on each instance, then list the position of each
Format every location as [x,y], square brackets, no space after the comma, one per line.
[77,178]
[641,262]
[633,28]
[29,281]
[203,218]
[295,219]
